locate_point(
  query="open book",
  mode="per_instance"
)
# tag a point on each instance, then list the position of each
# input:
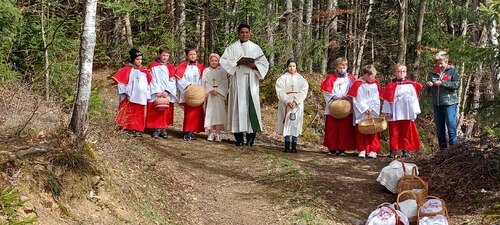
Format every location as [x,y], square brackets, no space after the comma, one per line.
[244,60]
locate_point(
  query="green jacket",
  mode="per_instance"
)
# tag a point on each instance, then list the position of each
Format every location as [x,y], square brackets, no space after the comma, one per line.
[447,93]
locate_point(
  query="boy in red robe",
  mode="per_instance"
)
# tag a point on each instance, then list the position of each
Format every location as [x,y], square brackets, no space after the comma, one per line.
[339,133]
[163,85]
[133,89]
[365,93]
[187,73]
[401,108]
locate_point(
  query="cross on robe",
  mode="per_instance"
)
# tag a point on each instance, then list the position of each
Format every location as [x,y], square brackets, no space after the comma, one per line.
[292,86]
[213,81]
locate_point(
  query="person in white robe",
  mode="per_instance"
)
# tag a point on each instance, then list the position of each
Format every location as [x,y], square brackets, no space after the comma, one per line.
[246,65]
[215,82]
[291,89]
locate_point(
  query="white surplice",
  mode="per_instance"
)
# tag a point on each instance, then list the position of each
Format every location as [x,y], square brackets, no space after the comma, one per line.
[340,88]
[215,107]
[367,98]
[405,106]
[244,113]
[137,90]
[162,82]
[291,88]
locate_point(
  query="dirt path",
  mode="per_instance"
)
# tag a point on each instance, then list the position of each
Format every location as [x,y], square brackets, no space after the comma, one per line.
[201,182]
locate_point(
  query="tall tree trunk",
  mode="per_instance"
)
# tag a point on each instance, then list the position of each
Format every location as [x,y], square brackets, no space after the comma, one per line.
[354,38]
[181,27]
[403,4]
[128,29]
[202,21]
[170,9]
[326,36]
[418,40]
[471,126]
[363,38]
[495,65]
[46,54]
[461,110]
[270,33]
[309,10]
[289,28]
[79,118]
[300,28]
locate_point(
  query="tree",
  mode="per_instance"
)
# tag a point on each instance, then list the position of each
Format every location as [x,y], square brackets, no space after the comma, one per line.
[79,118]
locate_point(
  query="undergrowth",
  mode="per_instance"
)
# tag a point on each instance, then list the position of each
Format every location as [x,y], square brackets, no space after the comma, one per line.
[10,206]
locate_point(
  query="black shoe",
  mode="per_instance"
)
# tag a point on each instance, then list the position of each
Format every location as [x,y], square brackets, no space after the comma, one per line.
[156,133]
[332,152]
[192,135]
[164,133]
[342,153]
[294,147]
[138,134]
[250,138]
[186,136]
[406,153]
[287,146]
[239,139]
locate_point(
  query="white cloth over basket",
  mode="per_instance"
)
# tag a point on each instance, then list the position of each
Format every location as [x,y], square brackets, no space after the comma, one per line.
[437,220]
[384,215]
[409,207]
[390,174]
[432,206]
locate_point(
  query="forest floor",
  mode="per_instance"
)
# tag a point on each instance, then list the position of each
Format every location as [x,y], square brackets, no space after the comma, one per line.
[171,181]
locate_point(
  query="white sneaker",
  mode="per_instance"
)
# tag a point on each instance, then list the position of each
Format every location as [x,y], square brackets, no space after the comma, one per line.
[211,137]
[362,154]
[372,155]
[218,137]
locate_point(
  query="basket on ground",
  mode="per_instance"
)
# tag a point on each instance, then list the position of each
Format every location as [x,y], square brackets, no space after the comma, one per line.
[339,109]
[194,95]
[162,103]
[406,202]
[413,183]
[433,211]
[372,125]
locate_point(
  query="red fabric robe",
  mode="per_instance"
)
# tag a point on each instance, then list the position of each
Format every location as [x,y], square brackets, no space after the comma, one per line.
[194,117]
[339,133]
[130,115]
[403,134]
[160,119]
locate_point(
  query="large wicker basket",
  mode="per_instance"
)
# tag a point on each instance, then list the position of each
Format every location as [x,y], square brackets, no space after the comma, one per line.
[413,183]
[194,95]
[405,195]
[438,211]
[339,109]
[372,125]
[162,103]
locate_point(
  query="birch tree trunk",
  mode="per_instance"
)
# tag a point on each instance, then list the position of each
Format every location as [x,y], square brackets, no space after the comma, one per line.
[309,10]
[363,38]
[181,27]
[128,29]
[418,40]
[79,118]
[493,80]
[46,55]
[270,33]
[289,28]
[403,4]
[300,28]
[326,37]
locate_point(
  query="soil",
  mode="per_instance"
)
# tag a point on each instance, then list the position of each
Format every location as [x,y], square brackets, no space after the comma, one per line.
[172,181]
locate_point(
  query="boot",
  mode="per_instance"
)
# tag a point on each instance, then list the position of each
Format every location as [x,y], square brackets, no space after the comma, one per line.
[287,146]
[250,138]
[239,139]
[294,147]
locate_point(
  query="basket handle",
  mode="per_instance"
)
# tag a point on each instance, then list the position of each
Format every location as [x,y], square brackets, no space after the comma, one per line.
[405,192]
[414,171]
[419,217]
[388,205]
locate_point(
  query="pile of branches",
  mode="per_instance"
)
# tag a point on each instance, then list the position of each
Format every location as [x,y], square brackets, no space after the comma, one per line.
[463,170]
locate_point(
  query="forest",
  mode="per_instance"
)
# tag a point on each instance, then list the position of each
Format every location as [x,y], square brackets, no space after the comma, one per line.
[44,51]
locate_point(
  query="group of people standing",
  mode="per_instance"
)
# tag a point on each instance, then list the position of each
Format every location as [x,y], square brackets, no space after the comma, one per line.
[236,76]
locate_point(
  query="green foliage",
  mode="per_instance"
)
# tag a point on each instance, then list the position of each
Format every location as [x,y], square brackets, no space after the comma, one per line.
[7,75]
[10,17]
[491,8]
[488,118]
[96,106]
[10,204]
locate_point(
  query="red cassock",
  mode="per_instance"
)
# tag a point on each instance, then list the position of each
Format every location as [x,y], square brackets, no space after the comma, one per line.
[156,118]
[194,117]
[130,115]
[365,142]
[339,133]
[403,134]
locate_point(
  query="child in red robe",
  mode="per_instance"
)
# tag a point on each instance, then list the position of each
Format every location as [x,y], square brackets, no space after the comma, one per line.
[133,89]
[187,73]
[339,133]
[401,108]
[365,93]
[163,85]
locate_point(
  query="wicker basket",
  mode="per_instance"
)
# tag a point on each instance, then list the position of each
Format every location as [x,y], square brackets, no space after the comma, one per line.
[405,195]
[162,103]
[412,183]
[372,125]
[339,109]
[194,95]
[443,211]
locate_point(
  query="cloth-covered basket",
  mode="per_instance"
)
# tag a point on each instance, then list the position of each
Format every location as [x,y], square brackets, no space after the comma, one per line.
[339,109]
[161,103]
[406,202]
[385,214]
[194,95]
[413,183]
[372,125]
[433,211]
